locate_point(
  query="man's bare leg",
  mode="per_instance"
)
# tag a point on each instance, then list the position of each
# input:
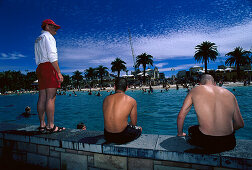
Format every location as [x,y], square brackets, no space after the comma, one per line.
[50,107]
[41,107]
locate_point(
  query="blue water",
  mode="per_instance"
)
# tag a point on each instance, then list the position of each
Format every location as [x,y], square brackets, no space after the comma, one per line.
[157,112]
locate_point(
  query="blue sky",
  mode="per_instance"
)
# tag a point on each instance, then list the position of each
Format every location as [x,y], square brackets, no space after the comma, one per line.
[95,32]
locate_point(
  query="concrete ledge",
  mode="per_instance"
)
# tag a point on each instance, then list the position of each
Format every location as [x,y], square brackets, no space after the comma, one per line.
[91,150]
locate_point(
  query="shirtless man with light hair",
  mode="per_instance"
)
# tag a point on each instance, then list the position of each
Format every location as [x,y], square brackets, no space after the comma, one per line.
[218,116]
[116,110]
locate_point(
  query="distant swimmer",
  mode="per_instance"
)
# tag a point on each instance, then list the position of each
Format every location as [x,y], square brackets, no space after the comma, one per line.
[151,89]
[81,126]
[218,116]
[27,112]
[98,94]
[188,90]
[116,110]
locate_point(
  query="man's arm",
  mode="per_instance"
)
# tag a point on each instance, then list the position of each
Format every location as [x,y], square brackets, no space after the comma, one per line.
[133,114]
[182,114]
[56,66]
[52,54]
[238,120]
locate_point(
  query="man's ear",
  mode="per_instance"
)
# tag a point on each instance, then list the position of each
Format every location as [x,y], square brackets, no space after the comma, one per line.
[46,27]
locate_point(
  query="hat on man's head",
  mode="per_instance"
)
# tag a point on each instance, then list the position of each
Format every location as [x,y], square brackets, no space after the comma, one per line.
[49,21]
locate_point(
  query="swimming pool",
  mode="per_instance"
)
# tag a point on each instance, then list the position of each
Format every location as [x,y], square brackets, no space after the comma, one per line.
[157,112]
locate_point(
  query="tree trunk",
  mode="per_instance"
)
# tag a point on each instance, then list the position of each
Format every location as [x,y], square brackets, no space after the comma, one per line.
[144,67]
[238,72]
[118,74]
[205,65]
[101,81]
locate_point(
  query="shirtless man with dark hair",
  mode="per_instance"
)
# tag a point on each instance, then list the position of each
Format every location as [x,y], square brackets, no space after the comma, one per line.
[218,116]
[116,110]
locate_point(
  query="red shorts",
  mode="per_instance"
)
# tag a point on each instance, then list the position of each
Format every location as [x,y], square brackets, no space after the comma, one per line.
[47,76]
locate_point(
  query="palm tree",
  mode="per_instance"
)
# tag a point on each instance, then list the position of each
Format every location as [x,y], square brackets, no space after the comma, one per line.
[101,72]
[144,59]
[66,82]
[118,65]
[29,79]
[77,77]
[90,74]
[240,57]
[205,51]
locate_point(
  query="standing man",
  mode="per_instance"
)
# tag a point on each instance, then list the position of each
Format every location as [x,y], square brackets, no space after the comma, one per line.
[218,116]
[116,110]
[49,75]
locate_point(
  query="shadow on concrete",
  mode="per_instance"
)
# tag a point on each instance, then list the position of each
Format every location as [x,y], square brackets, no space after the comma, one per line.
[176,144]
[93,140]
[22,132]
[179,144]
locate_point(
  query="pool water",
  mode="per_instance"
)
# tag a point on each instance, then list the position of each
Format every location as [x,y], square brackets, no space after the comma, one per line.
[157,112]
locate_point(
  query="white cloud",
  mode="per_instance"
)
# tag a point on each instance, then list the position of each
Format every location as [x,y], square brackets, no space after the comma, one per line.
[11,56]
[180,67]
[180,44]
[160,65]
[183,44]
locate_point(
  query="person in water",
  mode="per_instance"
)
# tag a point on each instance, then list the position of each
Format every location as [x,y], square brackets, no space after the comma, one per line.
[27,112]
[81,126]
[116,110]
[218,115]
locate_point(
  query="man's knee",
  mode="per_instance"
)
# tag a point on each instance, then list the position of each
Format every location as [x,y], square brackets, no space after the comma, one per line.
[50,99]
[51,94]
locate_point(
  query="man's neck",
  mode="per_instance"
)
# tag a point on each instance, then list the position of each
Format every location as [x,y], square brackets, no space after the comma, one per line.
[120,91]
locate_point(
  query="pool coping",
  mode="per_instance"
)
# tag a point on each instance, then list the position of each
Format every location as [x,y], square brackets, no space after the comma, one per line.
[147,146]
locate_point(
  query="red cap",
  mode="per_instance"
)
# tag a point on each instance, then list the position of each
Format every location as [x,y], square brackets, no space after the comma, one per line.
[49,21]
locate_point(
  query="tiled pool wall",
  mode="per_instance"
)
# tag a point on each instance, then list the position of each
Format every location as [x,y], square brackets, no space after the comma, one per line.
[78,149]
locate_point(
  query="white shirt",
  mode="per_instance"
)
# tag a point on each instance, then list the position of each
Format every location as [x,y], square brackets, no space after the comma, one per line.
[45,48]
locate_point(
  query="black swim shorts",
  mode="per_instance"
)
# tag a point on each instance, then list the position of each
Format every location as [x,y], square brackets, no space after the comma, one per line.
[130,133]
[211,143]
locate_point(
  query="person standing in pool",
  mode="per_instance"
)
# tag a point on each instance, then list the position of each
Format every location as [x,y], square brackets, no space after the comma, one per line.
[116,110]
[218,115]
[48,74]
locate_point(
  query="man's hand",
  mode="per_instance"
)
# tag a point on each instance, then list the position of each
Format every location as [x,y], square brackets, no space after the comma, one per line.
[183,134]
[60,77]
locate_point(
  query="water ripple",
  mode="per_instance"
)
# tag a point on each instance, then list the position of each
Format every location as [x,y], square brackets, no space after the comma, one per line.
[157,112]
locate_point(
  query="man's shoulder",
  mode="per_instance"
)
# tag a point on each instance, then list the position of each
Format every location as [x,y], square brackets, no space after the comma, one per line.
[223,90]
[195,89]
[131,99]
[43,35]
[107,97]
[47,35]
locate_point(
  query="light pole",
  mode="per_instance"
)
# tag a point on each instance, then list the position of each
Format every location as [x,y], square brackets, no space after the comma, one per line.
[173,69]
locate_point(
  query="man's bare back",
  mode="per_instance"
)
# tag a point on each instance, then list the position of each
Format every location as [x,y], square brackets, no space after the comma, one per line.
[216,108]
[116,109]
